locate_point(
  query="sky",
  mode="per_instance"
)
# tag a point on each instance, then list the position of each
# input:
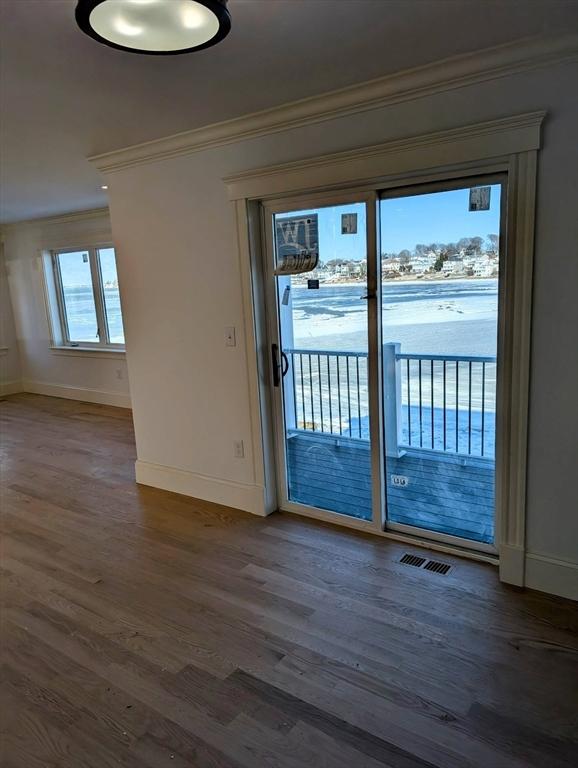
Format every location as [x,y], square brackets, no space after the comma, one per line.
[440,217]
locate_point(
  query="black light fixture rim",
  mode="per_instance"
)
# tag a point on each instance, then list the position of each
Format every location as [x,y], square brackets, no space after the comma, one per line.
[219,7]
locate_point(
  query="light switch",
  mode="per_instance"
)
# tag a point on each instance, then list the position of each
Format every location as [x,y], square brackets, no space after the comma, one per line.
[230,340]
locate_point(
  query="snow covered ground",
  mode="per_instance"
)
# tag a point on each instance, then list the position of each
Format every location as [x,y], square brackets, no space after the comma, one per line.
[442,317]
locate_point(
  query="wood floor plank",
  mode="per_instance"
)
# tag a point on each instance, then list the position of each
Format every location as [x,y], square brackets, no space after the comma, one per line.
[142,628]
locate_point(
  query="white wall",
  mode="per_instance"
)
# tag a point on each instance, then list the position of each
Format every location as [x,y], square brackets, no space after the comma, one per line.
[91,376]
[10,370]
[178,260]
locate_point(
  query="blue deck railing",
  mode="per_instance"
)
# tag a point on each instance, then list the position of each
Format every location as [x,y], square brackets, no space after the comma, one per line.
[440,403]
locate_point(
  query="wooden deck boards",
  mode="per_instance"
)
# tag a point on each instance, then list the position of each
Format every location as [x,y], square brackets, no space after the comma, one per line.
[449,496]
[149,630]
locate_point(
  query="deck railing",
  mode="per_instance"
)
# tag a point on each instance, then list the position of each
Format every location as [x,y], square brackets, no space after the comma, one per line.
[448,403]
[440,403]
[329,392]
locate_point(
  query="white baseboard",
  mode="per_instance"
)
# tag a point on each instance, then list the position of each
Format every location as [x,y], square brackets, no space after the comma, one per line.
[557,577]
[10,388]
[250,498]
[77,393]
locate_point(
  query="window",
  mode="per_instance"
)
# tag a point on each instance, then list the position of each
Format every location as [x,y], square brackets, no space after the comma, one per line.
[85,289]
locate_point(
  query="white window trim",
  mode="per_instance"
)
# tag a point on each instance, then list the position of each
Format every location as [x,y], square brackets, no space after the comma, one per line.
[505,145]
[55,306]
[80,351]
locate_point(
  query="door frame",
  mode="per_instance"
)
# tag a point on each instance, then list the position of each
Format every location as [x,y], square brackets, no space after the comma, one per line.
[507,145]
[371,200]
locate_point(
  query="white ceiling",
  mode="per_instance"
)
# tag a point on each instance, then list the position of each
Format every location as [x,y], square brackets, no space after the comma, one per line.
[65,97]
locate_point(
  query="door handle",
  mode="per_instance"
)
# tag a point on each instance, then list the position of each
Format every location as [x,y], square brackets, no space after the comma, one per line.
[284,364]
[275,362]
[278,367]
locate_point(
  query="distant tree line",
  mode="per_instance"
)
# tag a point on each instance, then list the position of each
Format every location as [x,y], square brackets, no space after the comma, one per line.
[467,246]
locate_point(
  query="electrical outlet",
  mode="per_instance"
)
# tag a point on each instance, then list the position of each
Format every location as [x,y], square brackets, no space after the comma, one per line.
[119,373]
[399,481]
[238,449]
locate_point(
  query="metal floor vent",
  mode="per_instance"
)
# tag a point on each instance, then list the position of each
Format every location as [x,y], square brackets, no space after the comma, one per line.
[408,559]
[435,566]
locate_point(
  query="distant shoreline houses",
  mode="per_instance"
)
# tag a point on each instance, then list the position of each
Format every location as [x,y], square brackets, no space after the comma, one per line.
[469,258]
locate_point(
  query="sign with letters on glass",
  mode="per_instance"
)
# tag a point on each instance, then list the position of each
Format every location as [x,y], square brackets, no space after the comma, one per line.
[297,241]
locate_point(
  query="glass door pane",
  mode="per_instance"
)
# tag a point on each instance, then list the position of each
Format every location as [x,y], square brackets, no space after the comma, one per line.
[440,255]
[109,279]
[78,296]
[322,359]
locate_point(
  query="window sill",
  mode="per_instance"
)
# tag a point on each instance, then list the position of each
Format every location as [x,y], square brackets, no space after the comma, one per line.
[103,352]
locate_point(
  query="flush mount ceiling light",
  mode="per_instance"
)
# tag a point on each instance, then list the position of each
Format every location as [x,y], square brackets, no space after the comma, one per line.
[157,27]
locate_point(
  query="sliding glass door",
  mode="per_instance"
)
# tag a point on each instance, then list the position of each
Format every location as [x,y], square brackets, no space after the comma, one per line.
[383,328]
[321,284]
[440,267]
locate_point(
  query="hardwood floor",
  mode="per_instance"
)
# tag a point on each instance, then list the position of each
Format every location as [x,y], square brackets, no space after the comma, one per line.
[145,629]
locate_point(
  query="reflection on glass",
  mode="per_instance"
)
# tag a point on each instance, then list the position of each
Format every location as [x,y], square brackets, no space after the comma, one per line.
[78,296]
[111,295]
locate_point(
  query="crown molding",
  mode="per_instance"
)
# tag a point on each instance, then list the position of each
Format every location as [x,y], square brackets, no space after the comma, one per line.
[62,218]
[485,141]
[448,74]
